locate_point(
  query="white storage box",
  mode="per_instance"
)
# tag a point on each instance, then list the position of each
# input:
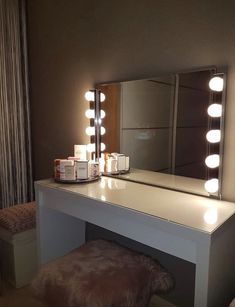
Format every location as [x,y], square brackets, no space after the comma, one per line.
[18,257]
[18,254]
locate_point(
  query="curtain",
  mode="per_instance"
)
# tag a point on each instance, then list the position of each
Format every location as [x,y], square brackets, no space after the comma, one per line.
[16,185]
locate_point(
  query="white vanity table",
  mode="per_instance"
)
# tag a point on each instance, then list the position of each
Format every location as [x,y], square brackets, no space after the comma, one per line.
[193,228]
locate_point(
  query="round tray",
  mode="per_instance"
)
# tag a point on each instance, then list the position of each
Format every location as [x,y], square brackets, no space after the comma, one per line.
[78,180]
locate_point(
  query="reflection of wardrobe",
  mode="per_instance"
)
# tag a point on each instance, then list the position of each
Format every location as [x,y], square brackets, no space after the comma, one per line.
[191,124]
[146,122]
[163,123]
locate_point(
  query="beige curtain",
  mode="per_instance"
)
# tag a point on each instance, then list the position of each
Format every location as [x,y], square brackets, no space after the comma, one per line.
[15,138]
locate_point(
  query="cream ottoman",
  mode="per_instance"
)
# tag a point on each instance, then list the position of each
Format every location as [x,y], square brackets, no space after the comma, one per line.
[101,274]
[18,254]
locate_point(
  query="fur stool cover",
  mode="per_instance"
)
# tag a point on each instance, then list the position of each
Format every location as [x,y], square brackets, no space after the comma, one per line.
[18,218]
[101,274]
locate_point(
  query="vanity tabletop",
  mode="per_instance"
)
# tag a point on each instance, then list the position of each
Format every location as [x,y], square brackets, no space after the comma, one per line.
[200,213]
[173,182]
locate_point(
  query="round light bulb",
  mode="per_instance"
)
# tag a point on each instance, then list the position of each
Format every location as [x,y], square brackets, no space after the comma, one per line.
[102,114]
[213,136]
[216,84]
[90,147]
[90,131]
[212,161]
[102,130]
[215,110]
[102,97]
[212,185]
[90,96]
[90,113]
[102,147]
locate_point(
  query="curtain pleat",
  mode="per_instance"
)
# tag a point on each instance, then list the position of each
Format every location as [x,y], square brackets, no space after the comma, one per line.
[15,138]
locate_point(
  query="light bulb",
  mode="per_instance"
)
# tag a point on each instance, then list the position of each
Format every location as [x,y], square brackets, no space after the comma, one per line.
[90,147]
[215,110]
[212,161]
[213,136]
[102,97]
[102,146]
[216,84]
[212,185]
[90,96]
[90,113]
[102,130]
[102,114]
[90,131]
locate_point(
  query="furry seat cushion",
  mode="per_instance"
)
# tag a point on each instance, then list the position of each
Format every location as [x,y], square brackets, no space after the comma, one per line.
[101,274]
[18,218]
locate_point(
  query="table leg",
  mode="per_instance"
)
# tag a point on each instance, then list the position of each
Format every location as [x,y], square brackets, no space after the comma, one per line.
[57,233]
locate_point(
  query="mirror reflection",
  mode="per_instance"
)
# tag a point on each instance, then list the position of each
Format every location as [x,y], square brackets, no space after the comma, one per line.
[169,125]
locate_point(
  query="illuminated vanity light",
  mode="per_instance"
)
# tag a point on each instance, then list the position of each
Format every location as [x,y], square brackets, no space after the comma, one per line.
[102,130]
[91,147]
[90,131]
[212,185]
[102,114]
[216,84]
[212,161]
[91,114]
[213,136]
[211,216]
[102,146]
[215,110]
[90,96]
[102,97]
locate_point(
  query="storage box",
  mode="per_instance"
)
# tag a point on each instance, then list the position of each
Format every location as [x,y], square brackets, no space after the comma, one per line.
[18,257]
[18,251]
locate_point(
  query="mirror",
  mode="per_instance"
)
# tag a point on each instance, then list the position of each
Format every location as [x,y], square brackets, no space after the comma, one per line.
[162,124]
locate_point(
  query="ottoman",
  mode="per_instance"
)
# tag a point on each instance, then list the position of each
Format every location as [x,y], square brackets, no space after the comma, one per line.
[101,274]
[18,254]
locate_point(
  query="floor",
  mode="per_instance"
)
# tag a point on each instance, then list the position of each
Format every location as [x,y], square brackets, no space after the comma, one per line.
[23,297]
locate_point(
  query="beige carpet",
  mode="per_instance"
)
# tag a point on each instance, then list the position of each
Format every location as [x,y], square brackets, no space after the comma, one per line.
[23,297]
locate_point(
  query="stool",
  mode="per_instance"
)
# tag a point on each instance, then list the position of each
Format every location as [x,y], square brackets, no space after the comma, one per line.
[18,254]
[101,274]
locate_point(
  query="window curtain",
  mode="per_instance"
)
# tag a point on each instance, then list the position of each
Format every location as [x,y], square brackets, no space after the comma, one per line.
[16,184]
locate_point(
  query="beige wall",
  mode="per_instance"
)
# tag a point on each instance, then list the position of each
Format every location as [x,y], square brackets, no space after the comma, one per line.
[74,44]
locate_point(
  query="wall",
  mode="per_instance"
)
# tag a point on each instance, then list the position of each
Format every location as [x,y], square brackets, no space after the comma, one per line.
[74,44]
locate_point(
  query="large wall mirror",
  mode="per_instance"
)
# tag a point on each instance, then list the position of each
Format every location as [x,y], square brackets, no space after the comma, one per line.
[171,127]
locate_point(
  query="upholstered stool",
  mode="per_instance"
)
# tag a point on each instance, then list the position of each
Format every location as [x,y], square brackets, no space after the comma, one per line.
[18,255]
[101,274]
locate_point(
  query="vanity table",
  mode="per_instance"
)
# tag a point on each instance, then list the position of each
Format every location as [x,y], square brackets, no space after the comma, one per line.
[194,228]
